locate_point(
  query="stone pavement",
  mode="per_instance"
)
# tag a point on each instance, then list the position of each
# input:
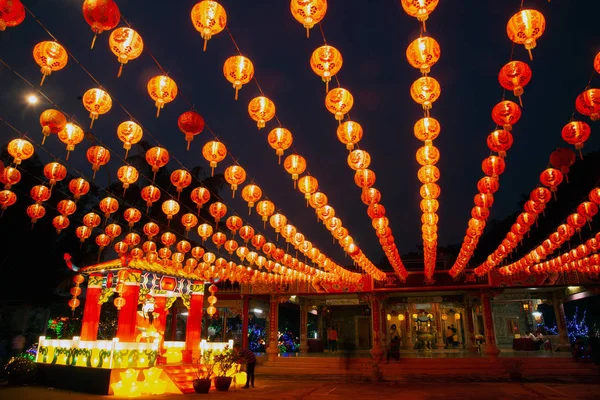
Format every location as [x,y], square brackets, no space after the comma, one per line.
[311,390]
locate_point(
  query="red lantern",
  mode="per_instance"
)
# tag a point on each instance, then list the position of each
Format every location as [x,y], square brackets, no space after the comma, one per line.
[66,207]
[101,15]
[551,178]
[55,172]
[79,187]
[488,185]
[493,166]
[514,76]
[132,215]
[562,159]
[500,141]
[180,178]
[91,220]
[200,196]
[97,156]
[10,176]
[157,157]
[588,103]
[150,194]
[576,133]
[12,13]
[506,114]
[35,212]
[108,206]
[60,222]
[191,124]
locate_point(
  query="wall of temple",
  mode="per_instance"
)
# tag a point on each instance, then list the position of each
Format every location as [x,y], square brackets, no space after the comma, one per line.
[509,318]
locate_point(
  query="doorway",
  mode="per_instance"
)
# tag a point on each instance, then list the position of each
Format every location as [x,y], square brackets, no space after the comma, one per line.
[363,332]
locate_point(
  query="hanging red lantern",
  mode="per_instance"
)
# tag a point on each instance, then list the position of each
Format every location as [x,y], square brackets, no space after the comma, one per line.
[20,149]
[151,230]
[83,232]
[128,175]
[66,207]
[562,159]
[493,166]
[189,221]
[180,178]
[235,175]
[370,196]
[101,15]
[500,141]
[7,199]
[132,215]
[10,176]
[150,194]
[191,124]
[12,13]
[551,178]
[35,212]
[79,187]
[129,133]
[52,121]
[217,210]
[60,222]
[576,133]
[54,172]
[97,156]
[108,206]
[514,76]
[525,27]
[214,152]
[588,103]
[200,196]
[91,220]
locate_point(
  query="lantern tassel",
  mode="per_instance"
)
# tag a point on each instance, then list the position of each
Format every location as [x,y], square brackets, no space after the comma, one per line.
[212,170]
[93,41]
[236,94]
[424,27]
[530,54]
[249,210]
[204,47]
[124,190]
[44,140]
[67,157]
[120,71]
[157,112]
[94,174]
[188,145]
[580,155]
[92,123]
[520,101]
[307,32]
[43,79]
[233,194]
[279,160]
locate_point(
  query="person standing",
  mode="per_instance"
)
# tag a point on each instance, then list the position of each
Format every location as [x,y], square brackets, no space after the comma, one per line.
[394,343]
[247,357]
[333,339]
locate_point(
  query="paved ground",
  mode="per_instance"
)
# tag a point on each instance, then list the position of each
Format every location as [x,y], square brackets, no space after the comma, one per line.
[310,390]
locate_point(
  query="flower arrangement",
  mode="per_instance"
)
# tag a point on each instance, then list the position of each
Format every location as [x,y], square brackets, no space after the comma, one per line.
[225,361]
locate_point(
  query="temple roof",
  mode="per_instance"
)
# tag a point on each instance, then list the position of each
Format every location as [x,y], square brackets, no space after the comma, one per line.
[141,265]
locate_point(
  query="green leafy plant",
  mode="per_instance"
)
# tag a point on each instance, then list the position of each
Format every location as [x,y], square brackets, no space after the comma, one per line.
[225,360]
[205,365]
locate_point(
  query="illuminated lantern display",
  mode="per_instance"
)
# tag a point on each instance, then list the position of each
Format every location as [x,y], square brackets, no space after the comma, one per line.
[219,238]
[150,230]
[562,159]
[189,221]
[425,91]
[20,149]
[429,205]
[427,129]
[359,159]
[576,133]
[76,291]
[60,222]
[308,185]
[339,102]
[514,76]
[483,200]
[54,172]
[150,194]
[102,240]
[280,139]
[364,178]
[83,232]
[217,210]
[97,156]
[423,53]
[326,61]
[500,141]
[108,206]
[209,18]
[79,187]
[12,13]
[551,178]
[350,133]
[37,211]
[430,191]
[235,175]
[428,155]
[428,174]
[419,9]
[71,135]
[180,178]
[488,185]
[234,223]
[251,194]
[129,133]
[265,209]
[121,248]
[588,210]
[113,231]
[493,166]
[214,152]
[212,300]
[183,246]
[157,157]
[126,44]
[191,124]
[200,196]
[66,207]
[308,12]
[91,220]
[295,165]
[168,239]
[238,70]
[594,196]
[128,175]
[506,114]
[370,196]
[40,193]
[278,221]
[51,57]
[7,199]
[576,221]
[10,176]
[170,208]
[588,103]
[132,216]
[525,27]
[205,231]
[262,110]
[52,121]
[162,90]
[101,15]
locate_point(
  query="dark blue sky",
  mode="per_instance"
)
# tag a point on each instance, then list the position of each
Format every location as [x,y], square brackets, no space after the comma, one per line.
[372,37]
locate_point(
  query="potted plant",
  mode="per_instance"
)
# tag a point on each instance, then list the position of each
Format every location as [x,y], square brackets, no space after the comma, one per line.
[204,372]
[225,360]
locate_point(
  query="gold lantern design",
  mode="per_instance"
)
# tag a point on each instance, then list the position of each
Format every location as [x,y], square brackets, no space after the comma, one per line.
[97,102]
[525,27]
[238,70]
[308,12]
[209,18]
[419,9]
[339,102]
[280,139]
[262,110]
[51,57]
[212,300]
[126,44]
[162,90]
[214,152]
[129,133]
[326,61]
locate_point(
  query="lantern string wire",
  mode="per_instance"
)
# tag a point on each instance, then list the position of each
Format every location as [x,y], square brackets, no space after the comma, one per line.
[131,115]
[215,195]
[148,217]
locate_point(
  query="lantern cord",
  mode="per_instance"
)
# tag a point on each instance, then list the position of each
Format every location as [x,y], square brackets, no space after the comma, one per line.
[233,40]
[322,32]
[116,101]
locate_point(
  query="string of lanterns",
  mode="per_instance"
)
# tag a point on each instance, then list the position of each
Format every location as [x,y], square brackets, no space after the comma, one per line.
[575,133]
[154,156]
[326,61]
[584,214]
[525,27]
[422,54]
[239,70]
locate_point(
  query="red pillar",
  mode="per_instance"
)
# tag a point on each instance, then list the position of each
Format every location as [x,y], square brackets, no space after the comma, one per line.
[91,310]
[160,304]
[245,320]
[490,337]
[193,329]
[126,325]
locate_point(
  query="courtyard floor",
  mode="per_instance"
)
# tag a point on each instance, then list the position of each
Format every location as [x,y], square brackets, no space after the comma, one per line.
[298,389]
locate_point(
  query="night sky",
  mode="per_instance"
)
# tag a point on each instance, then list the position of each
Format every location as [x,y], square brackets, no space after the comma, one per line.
[372,37]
